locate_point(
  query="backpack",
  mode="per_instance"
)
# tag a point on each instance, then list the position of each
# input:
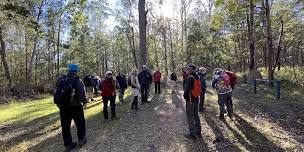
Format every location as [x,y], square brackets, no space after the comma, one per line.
[87,81]
[65,90]
[232,78]
[157,76]
[196,91]
[225,79]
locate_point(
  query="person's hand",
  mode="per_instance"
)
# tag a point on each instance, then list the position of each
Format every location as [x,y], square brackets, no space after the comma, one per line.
[113,94]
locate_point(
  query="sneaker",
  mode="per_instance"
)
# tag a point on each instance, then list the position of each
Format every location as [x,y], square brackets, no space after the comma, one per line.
[82,142]
[71,147]
[190,136]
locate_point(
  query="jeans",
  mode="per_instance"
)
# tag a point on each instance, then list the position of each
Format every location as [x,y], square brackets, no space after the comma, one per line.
[193,119]
[157,87]
[66,116]
[121,95]
[202,100]
[105,101]
[144,93]
[225,99]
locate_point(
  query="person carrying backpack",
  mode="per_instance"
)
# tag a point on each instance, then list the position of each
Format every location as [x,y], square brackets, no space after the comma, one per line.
[145,79]
[191,95]
[70,98]
[221,83]
[108,86]
[122,82]
[135,89]
[173,79]
[96,83]
[157,77]
[202,75]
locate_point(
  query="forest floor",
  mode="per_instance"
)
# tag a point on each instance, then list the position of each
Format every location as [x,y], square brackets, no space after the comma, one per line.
[261,123]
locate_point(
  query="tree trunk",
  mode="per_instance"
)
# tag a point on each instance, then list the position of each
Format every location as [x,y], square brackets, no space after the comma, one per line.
[166,52]
[58,47]
[132,44]
[142,33]
[250,19]
[277,62]
[269,39]
[4,60]
[172,51]
[30,68]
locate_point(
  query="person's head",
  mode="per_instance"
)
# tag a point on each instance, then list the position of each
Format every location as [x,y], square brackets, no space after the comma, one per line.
[144,68]
[73,68]
[192,67]
[109,74]
[134,71]
[202,70]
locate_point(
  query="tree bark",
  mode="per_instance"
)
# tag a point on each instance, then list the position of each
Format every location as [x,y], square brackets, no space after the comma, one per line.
[277,62]
[30,68]
[269,39]
[250,19]
[142,33]
[4,60]
[165,49]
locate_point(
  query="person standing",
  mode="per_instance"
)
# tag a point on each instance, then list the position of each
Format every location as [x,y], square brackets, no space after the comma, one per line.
[135,89]
[108,86]
[89,82]
[70,98]
[191,95]
[157,77]
[173,78]
[145,79]
[202,75]
[122,82]
[221,83]
[96,84]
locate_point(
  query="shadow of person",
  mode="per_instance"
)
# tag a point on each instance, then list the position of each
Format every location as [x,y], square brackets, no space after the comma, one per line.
[220,141]
[258,141]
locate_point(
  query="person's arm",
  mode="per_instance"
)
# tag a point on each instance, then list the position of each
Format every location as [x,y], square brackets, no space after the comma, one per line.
[81,96]
[188,87]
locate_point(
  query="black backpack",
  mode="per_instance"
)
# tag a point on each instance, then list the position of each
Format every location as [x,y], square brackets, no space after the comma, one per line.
[88,81]
[65,90]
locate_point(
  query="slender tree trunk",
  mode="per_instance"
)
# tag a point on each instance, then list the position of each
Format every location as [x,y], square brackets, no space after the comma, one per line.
[269,39]
[250,19]
[165,53]
[34,53]
[132,44]
[277,60]
[172,51]
[4,60]
[142,32]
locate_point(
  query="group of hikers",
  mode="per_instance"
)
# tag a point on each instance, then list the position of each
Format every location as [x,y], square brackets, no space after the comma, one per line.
[72,94]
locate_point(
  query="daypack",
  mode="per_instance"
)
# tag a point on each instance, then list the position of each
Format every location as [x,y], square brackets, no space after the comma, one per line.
[232,78]
[225,79]
[196,91]
[88,81]
[65,90]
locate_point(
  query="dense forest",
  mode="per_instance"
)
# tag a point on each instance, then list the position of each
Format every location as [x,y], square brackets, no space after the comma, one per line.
[40,37]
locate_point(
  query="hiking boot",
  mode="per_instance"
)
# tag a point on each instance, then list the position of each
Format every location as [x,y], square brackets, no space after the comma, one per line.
[132,108]
[82,142]
[190,136]
[71,147]
[137,109]
[221,117]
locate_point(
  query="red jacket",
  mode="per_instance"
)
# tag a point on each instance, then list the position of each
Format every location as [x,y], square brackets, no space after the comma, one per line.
[157,76]
[107,88]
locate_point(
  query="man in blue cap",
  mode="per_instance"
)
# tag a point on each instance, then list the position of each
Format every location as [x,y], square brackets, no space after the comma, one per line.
[70,99]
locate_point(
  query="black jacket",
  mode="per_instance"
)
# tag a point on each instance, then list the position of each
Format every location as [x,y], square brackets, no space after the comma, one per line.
[189,85]
[121,79]
[173,77]
[144,78]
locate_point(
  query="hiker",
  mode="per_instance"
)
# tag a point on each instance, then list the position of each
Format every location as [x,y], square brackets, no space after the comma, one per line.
[232,78]
[184,75]
[108,86]
[135,88]
[96,84]
[89,82]
[221,83]
[145,79]
[70,98]
[157,77]
[202,75]
[173,79]
[191,95]
[122,82]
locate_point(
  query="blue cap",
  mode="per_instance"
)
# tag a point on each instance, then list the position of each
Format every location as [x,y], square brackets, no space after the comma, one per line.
[73,67]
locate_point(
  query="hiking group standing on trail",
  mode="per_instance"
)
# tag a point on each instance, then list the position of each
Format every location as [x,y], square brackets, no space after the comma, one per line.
[71,95]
